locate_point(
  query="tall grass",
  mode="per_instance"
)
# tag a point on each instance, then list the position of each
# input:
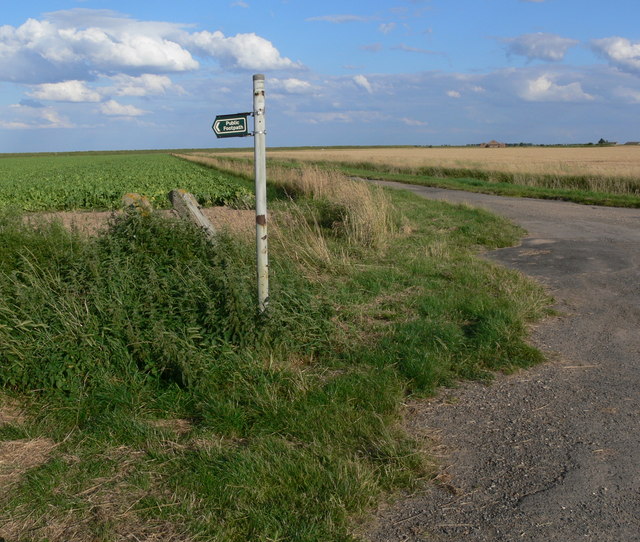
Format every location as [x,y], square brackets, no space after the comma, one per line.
[358,213]
[143,300]
[148,322]
[172,410]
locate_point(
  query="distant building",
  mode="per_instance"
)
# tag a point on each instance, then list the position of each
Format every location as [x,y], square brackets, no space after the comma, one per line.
[632,143]
[493,144]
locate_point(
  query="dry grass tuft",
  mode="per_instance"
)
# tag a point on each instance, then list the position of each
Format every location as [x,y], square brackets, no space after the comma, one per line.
[107,508]
[304,242]
[11,412]
[237,167]
[438,249]
[70,527]
[178,426]
[357,212]
[18,456]
[366,210]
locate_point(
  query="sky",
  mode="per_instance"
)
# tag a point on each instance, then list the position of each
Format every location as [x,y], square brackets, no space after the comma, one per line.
[106,75]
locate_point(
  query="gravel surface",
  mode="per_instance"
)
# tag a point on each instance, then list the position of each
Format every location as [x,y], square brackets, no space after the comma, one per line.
[551,453]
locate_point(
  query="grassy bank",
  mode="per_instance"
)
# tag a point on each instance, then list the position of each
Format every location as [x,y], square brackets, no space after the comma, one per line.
[159,404]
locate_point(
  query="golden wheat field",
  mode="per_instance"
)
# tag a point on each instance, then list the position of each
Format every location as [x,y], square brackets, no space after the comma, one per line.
[599,162]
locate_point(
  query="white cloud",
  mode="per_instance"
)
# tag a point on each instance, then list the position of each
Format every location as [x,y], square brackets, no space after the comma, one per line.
[33,118]
[67,91]
[372,48]
[147,84]
[13,125]
[331,116]
[338,19]
[540,45]
[291,85]
[386,28]
[453,94]
[620,52]
[239,4]
[413,122]
[409,49]
[80,44]
[77,43]
[363,82]
[54,119]
[543,89]
[115,109]
[245,51]
[497,112]
[628,94]
[132,51]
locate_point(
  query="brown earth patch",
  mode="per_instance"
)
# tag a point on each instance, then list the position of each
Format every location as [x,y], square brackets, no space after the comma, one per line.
[235,220]
[92,222]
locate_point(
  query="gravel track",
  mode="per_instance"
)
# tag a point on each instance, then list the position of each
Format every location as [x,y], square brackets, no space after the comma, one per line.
[551,453]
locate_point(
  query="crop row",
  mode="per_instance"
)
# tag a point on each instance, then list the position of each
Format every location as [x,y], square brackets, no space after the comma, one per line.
[99,182]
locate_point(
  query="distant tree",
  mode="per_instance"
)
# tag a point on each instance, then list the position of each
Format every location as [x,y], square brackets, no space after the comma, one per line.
[602,141]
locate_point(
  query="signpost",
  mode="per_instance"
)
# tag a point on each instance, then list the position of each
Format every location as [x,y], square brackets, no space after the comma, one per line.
[231,125]
[236,125]
[260,163]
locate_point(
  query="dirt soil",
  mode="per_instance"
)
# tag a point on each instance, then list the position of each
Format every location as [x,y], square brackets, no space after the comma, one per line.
[93,221]
[552,453]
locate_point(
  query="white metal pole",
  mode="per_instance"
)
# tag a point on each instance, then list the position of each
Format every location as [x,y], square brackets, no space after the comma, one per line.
[260,162]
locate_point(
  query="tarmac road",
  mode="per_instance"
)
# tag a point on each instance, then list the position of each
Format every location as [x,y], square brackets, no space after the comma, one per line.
[551,453]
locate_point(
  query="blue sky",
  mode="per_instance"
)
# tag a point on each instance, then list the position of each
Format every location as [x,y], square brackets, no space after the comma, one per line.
[91,74]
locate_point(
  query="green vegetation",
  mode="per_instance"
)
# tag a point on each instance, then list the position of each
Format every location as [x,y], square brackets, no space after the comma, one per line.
[99,181]
[165,407]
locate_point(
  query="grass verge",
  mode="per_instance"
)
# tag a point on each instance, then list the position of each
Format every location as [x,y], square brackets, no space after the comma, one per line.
[163,407]
[583,189]
[550,188]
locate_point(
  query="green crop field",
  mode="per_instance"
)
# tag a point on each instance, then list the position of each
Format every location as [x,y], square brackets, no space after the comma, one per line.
[99,181]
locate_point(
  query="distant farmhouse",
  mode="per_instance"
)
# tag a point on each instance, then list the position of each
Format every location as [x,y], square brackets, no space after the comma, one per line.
[493,144]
